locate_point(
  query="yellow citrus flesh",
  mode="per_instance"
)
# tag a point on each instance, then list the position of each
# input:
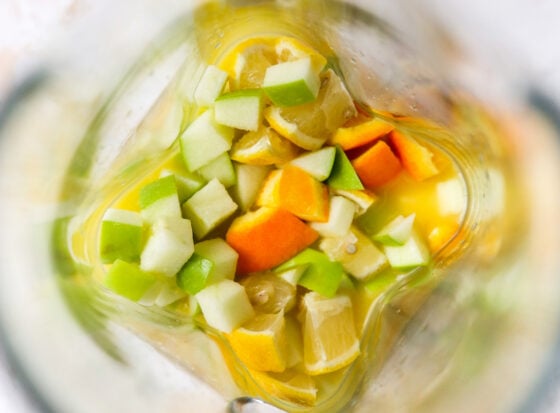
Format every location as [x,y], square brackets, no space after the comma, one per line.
[290,386]
[263,147]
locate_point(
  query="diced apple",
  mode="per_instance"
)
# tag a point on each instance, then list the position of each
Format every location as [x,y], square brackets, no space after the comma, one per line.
[159,200]
[169,246]
[318,164]
[452,197]
[121,236]
[292,275]
[413,253]
[150,297]
[341,215]
[241,109]
[363,199]
[222,255]
[220,168]
[204,140]
[343,175]
[396,232]
[193,277]
[128,280]
[291,83]
[169,294]
[187,183]
[210,86]
[208,208]
[249,181]
[225,305]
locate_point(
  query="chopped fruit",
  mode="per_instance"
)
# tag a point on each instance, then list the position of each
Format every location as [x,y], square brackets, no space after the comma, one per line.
[452,197]
[249,181]
[208,208]
[329,334]
[169,246]
[225,305]
[220,168]
[263,147]
[121,236]
[289,49]
[291,386]
[321,274]
[266,238]
[363,199]
[193,277]
[187,183]
[291,83]
[362,134]
[440,235]
[396,232]
[241,109]
[357,254]
[292,275]
[296,191]
[261,342]
[223,257]
[343,176]
[169,294]
[159,199]
[248,61]
[416,159]
[413,253]
[204,140]
[377,166]
[129,280]
[210,86]
[341,215]
[318,164]
[269,293]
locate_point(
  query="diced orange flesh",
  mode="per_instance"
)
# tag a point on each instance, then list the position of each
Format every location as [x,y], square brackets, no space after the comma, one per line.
[416,159]
[296,191]
[377,166]
[364,133]
[267,237]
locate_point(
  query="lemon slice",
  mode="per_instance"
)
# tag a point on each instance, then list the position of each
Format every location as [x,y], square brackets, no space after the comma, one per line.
[329,336]
[290,385]
[310,125]
[289,49]
[263,147]
[261,342]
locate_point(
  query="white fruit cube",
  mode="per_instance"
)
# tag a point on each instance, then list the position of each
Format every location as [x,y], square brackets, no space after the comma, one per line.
[225,305]
[168,294]
[220,168]
[249,181]
[396,232]
[363,198]
[208,208]
[318,164]
[241,109]
[291,83]
[121,236]
[159,200]
[341,215]
[187,183]
[169,247]
[222,256]
[413,253]
[204,140]
[210,86]
[452,197]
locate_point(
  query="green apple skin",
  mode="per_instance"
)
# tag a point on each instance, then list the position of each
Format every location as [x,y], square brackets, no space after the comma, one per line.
[188,183]
[343,175]
[413,253]
[194,275]
[318,164]
[222,256]
[241,109]
[291,83]
[121,236]
[220,168]
[128,280]
[396,232]
[159,199]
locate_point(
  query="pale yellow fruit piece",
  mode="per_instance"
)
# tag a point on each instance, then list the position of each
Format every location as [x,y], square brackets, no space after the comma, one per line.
[263,147]
[290,385]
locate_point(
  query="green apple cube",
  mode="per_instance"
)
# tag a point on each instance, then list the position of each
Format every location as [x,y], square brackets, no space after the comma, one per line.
[220,168]
[187,183]
[318,164]
[169,247]
[225,305]
[249,182]
[121,236]
[128,280]
[343,175]
[204,140]
[413,253]
[341,215]
[208,208]
[169,294]
[357,254]
[452,197]
[210,86]
[193,277]
[222,256]
[292,275]
[321,275]
[159,199]
[291,83]
[396,232]
[150,297]
[241,109]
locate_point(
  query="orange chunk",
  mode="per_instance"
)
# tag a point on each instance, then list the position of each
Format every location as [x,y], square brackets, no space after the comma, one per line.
[267,237]
[364,133]
[296,191]
[416,159]
[377,166]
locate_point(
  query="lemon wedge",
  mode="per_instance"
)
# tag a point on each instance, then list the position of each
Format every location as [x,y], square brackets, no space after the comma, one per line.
[290,385]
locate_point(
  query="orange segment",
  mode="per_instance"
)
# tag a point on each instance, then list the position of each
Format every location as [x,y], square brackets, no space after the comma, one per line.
[377,166]
[357,135]
[267,237]
[416,159]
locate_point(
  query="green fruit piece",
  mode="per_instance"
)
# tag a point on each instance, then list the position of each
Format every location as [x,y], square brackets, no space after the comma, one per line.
[149,298]
[222,255]
[208,208]
[341,215]
[343,175]
[210,86]
[396,232]
[241,109]
[187,183]
[128,280]
[121,236]
[220,168]
[322,275]
[225,305]
[193,277]
[414,253]
[318,164]
[204,140]
[169,294]
[291,83]
[292,275]
[159,199]
[169,246]
[357,254]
